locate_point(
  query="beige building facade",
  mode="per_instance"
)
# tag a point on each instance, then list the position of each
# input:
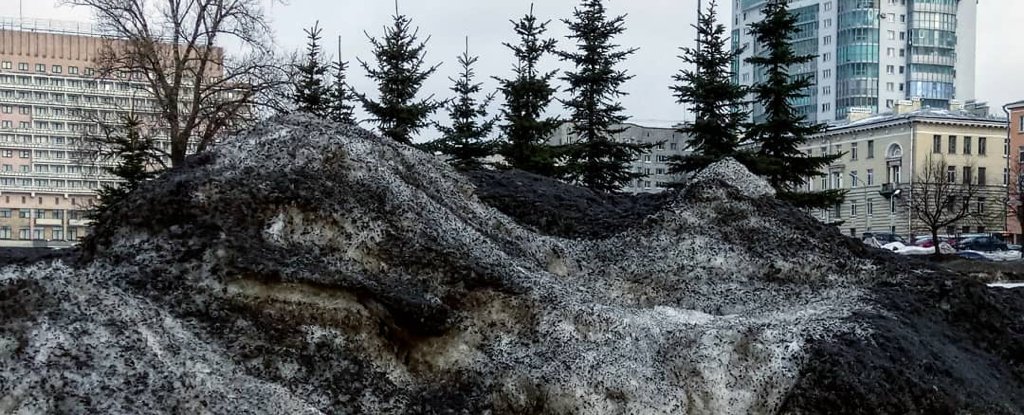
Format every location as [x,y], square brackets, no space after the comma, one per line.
[50,89]
[886,153]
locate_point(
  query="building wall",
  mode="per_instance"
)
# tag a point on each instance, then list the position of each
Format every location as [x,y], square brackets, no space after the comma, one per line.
[653,164]
[1016,150]
[50,96]
[871,54]
[894,151]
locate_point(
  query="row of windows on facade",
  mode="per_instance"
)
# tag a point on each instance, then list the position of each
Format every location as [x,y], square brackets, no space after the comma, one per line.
[52,168]
[48,183]
[142,105]
[45,154]
[41,68]
[647,184]
[982,149]
[834,180]
[55,233]
[63,111]
[951,148]
[977,206]
[49,81]
[950,230]
[41,213]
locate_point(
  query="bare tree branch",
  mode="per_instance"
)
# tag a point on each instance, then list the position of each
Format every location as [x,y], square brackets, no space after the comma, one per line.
[937,200]
[176,46]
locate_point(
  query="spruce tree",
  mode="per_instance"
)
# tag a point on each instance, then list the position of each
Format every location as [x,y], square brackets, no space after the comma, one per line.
[340,108]
[465,140]
[783,130]
[133,153]
[527,94]
[399,73]
[310,93]
[718,103]
[596,160]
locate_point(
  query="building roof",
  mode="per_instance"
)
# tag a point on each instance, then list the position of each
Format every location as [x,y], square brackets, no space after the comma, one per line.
[653,123]
[936,115]
[1014,105]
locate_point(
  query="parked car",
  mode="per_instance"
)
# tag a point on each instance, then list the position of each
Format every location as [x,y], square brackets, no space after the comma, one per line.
[926,241]
[982,244]
[884,238]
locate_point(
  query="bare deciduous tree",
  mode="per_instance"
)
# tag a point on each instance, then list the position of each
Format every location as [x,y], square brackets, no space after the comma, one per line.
[176,48]
[937,200]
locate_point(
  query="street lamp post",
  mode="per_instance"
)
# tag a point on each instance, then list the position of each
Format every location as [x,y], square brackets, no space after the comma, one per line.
[892,209]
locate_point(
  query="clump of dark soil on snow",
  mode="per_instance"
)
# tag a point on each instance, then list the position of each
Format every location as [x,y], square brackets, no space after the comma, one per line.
[555,208]
[308,267]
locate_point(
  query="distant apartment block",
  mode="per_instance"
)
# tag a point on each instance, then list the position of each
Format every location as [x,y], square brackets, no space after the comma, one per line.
[653,164]
[50,98]
[871,53]
[890,152]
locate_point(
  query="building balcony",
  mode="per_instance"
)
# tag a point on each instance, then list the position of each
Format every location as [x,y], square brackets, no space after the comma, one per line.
[49,222]
[888,189]
[79,222]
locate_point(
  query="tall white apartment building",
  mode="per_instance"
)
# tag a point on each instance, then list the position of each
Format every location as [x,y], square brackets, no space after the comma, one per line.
[872,53]
[50,89]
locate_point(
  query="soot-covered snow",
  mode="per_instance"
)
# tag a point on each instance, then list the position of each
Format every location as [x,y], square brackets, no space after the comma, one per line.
[303,267]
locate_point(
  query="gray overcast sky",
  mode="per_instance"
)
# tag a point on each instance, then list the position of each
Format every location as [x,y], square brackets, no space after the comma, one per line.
[657,27]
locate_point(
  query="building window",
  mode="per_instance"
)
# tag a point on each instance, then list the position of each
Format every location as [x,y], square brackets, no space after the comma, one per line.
[981,146]
[56,69]
[982,181]
[41,68]
[5,124]
[891,70]
[7,65]
[1006,147]
[937,144]
[853,209]
[951,174]
[967,145]
[23,234]
[967,174]
[73,70]
[72,234]
[22,66]
[26,154]
[57,234]
[1006,176]
[871,177]
[853,179]
[37,234]
[24,213]
[5,213]
[952,145]
[1021,124]
[5,232]
[90,71]
[871,149]
[871,207]
[853,151]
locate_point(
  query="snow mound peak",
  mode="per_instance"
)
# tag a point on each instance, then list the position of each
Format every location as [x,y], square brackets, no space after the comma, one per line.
[736,174]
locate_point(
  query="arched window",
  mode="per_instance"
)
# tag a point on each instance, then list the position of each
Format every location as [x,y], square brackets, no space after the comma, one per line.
[894,151]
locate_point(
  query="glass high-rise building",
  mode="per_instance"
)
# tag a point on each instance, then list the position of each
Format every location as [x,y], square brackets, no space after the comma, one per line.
[872,53]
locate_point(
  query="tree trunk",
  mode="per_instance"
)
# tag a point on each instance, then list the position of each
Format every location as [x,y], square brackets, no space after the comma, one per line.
[935,242]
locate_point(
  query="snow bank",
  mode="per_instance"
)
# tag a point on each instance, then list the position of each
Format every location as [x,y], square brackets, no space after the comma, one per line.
[305,268]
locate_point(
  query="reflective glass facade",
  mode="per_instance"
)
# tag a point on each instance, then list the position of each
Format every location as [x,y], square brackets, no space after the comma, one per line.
[933,41]
[857,56]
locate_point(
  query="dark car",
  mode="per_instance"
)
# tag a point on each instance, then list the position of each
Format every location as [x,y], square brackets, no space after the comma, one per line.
[982,244]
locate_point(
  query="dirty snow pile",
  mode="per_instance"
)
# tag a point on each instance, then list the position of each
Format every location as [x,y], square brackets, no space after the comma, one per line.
[303,267]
